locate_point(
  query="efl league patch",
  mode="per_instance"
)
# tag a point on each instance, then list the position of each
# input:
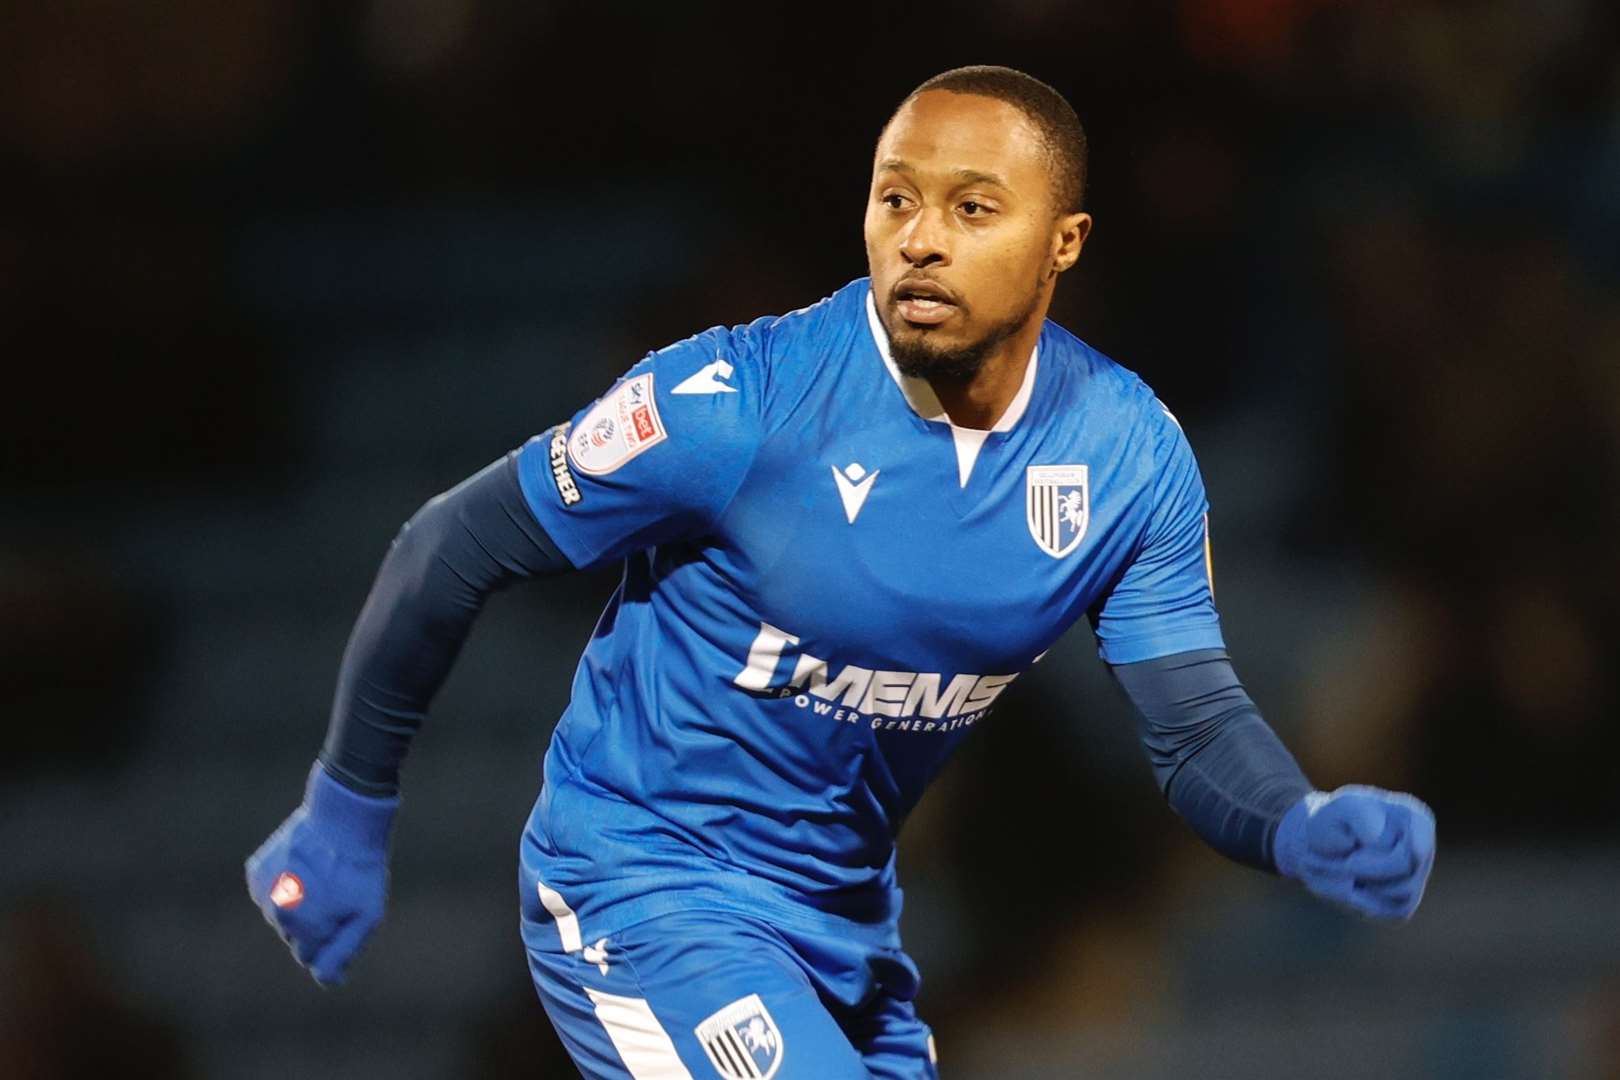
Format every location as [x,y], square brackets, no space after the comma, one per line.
[620,426]
[742,1041]
[1058,502]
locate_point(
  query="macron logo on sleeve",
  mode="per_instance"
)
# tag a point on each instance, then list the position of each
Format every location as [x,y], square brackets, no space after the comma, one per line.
[707,380]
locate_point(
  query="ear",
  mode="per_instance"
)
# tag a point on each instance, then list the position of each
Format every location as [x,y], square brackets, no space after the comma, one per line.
[1069,234]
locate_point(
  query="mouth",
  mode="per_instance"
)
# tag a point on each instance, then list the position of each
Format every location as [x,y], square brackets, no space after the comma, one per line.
[923,302]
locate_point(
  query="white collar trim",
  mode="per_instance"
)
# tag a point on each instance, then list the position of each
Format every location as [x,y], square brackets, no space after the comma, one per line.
[925,403]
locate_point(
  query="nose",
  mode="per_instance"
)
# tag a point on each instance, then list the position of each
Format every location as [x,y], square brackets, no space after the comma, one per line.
[923,242]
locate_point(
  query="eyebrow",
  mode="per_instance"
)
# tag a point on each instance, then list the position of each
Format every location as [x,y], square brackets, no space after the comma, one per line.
[966,176]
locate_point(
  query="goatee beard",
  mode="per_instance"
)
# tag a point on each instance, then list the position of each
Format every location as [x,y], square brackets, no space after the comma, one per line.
[914,355]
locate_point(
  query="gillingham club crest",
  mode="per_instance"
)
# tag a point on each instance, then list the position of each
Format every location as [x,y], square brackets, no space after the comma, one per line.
[1058,501]
[742,1041]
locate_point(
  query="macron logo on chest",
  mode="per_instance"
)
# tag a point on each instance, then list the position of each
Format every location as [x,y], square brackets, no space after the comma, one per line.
[854,482]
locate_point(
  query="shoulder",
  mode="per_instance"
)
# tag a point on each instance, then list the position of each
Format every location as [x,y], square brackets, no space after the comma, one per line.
[718,386]
[796,346]
[819,324]
[1090,384]
[775,341]
[771,361]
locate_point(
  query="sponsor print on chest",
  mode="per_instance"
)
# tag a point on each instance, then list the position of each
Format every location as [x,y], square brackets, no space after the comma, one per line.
[865,534]
[919,702]
[901,616]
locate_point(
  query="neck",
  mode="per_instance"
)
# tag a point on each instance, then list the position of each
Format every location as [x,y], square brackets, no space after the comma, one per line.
[982,400]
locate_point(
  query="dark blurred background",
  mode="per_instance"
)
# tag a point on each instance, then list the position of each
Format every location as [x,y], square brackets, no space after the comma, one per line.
[272,272]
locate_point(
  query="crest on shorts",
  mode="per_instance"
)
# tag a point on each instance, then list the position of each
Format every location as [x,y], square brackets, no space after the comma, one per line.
[742,1041]
[1058,506]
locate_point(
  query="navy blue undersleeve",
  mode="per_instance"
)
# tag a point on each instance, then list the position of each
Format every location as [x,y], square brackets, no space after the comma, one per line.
[1218,763]
[454,552]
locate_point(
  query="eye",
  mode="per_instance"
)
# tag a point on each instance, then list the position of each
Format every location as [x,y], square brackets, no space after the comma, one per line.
[894,201]
[974,209]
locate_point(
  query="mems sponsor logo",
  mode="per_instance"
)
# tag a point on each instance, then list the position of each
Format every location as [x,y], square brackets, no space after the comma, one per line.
[917,701]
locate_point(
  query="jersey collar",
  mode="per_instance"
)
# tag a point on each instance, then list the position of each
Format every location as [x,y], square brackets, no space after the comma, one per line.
[925,403]
[921,397]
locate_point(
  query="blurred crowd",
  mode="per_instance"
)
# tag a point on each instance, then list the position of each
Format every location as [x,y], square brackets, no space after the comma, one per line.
[1369,252]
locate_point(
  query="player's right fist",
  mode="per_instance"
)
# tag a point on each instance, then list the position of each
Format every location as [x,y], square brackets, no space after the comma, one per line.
[322,877]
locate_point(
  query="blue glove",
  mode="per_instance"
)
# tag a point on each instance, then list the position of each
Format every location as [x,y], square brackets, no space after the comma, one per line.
[322,877]
[1368,849]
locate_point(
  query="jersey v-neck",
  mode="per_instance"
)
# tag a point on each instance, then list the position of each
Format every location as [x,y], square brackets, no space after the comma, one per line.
[925,403]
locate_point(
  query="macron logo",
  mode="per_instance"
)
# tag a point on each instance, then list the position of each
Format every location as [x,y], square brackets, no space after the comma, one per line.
[853,484]
[597,954]
[707,380]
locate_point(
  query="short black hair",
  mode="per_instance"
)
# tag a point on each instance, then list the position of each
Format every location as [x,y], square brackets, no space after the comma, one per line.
[1050,113]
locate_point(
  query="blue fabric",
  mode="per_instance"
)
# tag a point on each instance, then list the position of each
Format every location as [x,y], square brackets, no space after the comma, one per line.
[827,1008]
[1218,763]
[1164,601]
[458,548]
[816,610]
[1367,849]
[321,879]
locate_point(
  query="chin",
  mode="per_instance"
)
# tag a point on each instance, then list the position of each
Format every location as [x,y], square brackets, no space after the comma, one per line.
[922,355]
[928,337]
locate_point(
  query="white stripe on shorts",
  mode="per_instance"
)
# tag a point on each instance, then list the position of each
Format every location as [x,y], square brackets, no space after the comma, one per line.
[567,924]
[638,1037]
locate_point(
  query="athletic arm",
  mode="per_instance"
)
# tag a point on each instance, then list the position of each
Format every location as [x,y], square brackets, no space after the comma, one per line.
[1215,759]
[641,466]
[458,549]
[1227,774]
[321,879]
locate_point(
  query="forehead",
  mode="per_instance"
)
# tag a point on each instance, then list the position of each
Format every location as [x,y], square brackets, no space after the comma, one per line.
[945,132]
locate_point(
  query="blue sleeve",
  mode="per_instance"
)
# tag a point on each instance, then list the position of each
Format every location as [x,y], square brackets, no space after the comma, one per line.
[1164,603]
[656,458]
[1218,763]
[457,549]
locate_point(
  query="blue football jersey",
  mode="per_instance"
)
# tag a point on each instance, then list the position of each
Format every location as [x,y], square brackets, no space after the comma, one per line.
[827,585]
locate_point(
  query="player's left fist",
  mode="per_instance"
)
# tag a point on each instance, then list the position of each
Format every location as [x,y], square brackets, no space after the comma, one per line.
[322,877]
[1368,849]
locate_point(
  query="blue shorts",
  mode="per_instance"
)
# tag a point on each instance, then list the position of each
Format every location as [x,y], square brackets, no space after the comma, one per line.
[702,994]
